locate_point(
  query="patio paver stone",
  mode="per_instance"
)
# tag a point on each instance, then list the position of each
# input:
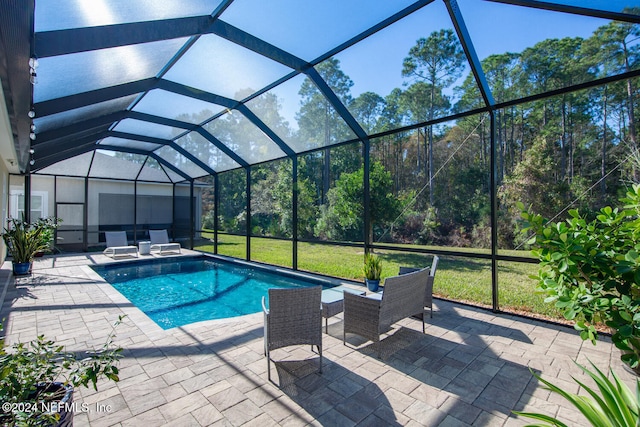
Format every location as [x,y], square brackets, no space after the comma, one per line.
[470,368]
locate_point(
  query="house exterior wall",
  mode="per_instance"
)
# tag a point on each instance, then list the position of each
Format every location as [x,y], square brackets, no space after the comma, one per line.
[64,197]
[8,163]
[4,205]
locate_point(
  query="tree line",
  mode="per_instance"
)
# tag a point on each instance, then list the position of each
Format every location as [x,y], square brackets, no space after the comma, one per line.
[430,185]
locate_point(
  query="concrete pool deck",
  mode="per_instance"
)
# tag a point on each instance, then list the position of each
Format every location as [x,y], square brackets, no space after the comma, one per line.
[470,368]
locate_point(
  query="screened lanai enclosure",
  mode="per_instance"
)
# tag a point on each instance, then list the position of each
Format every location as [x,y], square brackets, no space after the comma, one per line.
[305,134]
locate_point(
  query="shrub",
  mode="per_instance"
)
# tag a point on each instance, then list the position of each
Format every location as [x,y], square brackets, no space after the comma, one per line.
[28,371]
[591,270]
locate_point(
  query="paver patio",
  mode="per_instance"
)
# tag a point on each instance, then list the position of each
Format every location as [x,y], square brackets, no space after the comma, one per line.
[471,367]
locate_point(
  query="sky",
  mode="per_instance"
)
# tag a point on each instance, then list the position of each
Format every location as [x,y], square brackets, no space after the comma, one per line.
[494,29]
[375,64]
[308,29]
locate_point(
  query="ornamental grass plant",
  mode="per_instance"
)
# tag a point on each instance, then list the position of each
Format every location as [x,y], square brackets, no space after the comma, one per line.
[372,268]
[612,404]
[24,240]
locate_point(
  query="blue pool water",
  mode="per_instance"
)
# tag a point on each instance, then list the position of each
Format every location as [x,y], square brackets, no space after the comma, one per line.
[178,292]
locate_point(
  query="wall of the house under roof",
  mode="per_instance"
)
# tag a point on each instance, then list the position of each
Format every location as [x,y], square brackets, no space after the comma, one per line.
[7,156]
[110,205]
[4,200]
[154,207]
[182,219]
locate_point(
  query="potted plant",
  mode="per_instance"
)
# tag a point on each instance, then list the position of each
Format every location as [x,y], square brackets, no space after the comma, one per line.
[37,380]
[24,240]
[49,226]
[590,269]
[372,270]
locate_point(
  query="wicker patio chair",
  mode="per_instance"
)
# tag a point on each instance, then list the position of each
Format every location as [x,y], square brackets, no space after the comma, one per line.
[372,315]
[294,317]
[428,295]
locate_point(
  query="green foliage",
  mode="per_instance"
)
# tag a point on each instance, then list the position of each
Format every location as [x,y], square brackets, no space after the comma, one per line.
[615,404]
[591,270]
[533,173]
[372,268]
[49,226]
[318,121]
[344,216]
[347,201]
[232,212]
[283,196]
[43,362]
[437,59]
[548,152]
[24,240]
[208,220]
[430,224]
[413,101]
[465,200]
[266,214]
[282,191]
[367,107]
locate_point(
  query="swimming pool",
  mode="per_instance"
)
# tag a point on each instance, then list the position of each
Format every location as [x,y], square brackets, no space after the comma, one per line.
[178,291]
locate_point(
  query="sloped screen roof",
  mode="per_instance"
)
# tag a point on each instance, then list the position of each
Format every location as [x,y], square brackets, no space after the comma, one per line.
[176,90]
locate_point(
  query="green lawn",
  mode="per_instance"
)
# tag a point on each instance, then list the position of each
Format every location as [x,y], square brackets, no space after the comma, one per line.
[460,279]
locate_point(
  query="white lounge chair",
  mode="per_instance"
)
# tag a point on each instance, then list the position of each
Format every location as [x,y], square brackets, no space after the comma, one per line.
[117,244]
[160,242]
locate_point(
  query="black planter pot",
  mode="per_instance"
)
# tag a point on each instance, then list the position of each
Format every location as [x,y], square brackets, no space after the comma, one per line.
[64,405]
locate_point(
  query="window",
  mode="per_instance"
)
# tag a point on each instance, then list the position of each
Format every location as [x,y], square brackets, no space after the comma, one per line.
[39,204]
